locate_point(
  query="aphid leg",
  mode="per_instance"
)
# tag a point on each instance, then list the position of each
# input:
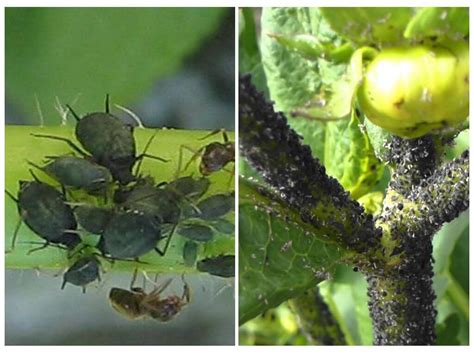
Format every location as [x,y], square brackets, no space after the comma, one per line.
[44,246]
[145,149]
[162,253]
[107,105]
[214,132]
[186,290]
[68,141]
[134,278]
[145,155]
[83,289]
[34,165]
[15,234]
[64,284]
[34,176]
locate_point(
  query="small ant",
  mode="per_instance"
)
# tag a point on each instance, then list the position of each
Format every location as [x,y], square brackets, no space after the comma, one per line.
[214,156]
[137,304]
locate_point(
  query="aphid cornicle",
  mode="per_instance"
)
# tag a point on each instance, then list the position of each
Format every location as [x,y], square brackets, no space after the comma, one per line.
[82,272]
[137,304]
[75,172]
[45,212]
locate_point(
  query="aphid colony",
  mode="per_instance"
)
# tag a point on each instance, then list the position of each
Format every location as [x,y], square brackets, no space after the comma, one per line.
[131,214]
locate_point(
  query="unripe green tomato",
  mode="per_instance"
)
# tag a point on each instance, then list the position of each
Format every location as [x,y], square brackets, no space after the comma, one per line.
[412,91]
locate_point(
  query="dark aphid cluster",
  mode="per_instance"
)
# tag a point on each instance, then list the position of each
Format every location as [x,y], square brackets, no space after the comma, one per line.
[99,191]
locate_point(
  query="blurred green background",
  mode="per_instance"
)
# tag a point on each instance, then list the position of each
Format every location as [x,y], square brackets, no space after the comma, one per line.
[172,67]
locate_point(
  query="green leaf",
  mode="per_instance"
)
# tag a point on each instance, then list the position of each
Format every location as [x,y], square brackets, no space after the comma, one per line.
[451,259]
[83,53]
[294,81]
[250,60]
[447,332]
[279,257]
[375,26]
[460,260]
[277,326]
[347,293]
[20,146]
[439,21]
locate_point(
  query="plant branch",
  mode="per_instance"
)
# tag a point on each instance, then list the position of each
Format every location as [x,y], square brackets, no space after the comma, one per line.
[316,320]
[421,197]
[276,152]
[21,146]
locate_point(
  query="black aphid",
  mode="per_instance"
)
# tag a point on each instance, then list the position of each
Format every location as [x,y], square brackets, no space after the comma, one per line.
[75,172]
[45,212]
[92,218]
[215,206]
[131,235]
[190,253]
[196,232]
[82,272]
[222,265]
[109,141]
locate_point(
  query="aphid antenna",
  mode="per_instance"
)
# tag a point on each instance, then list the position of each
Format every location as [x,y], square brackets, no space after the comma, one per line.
[68,141]
[131,114]
[107,103]
[73,113]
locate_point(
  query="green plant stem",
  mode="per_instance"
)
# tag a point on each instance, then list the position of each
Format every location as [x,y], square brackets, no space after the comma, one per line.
[21,146]
[316,320]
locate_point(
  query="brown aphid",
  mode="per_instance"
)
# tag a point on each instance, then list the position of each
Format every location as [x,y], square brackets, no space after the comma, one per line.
[137,304]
